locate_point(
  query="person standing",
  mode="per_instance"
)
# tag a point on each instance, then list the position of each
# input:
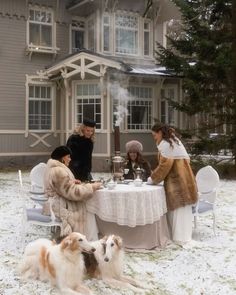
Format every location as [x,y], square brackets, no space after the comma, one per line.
[81,143]
[179,182]
[68,196]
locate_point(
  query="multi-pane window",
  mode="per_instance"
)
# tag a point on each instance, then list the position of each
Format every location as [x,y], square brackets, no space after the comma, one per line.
[167,110]
[88,103]
[106,33]
[146,38]
[126,32]
[40,27]
[140,108]
[77,35]
[40,107]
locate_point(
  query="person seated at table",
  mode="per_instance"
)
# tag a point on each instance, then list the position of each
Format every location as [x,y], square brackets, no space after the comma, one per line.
[179,182]
[135,160]
[68,196]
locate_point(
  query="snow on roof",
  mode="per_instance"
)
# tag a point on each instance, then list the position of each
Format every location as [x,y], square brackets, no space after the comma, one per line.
[157,71]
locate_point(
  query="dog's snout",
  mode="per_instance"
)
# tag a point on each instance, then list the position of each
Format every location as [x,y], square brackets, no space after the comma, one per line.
[93,249]
[106,259]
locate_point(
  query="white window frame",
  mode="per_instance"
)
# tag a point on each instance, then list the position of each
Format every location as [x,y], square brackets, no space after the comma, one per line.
[74,20]
[124,123]
[110,26]
[74,106]
[142,99]
[36,47]
[168,108]
[150,55]
[140,36]
[53,106]
[138,33]
[94,19]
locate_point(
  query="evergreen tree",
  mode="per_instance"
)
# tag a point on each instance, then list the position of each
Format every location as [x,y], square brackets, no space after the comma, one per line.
[202,53]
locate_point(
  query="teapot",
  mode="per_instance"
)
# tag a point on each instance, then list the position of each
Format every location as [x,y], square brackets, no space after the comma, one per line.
[138,181]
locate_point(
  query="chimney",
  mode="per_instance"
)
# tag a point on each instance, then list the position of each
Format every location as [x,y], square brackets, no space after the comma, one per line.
[117,140]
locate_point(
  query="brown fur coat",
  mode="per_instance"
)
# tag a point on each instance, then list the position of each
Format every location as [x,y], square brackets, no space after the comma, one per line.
[179,181]
[68,198]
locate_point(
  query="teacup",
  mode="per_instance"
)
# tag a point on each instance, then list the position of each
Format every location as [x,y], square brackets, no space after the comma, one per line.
[111,185]
[138,182]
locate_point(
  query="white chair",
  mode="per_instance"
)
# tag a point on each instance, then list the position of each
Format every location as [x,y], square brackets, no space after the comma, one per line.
[37,183]
[34,215]
[37,178]
[207,183]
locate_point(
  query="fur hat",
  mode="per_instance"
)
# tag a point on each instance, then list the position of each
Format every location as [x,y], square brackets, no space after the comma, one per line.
[60,152]
[134,146]
[89,122]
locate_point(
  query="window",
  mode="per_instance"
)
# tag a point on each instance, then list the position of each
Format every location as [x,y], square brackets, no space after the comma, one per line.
[40,107]
[88,103]
[126,29]
[91,35]
[140,108]
[106,34]
[40,27]
[167,111]
[77,35]
[146,38]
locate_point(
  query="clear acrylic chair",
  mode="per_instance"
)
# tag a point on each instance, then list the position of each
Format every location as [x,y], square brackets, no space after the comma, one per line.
[34,216]
[208,182]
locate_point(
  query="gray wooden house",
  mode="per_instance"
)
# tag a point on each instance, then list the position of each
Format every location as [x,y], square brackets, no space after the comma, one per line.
[61,61]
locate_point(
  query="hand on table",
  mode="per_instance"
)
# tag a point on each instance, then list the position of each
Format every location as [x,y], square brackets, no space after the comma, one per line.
[96,186]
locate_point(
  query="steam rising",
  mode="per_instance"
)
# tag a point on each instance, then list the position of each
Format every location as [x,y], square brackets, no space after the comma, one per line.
[121,97]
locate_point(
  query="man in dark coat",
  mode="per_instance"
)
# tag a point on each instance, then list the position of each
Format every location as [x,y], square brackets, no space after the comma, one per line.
[81,143]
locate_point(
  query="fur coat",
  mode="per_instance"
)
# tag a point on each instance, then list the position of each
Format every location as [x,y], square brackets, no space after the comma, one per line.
[179,181]
[67,198]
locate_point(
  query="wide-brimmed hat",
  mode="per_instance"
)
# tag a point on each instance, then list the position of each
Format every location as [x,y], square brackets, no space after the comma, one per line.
[89,122]
[60,152]
[134,146]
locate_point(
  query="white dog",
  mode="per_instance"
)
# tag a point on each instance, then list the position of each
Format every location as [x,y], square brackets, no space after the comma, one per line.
[62,264]
[108,263]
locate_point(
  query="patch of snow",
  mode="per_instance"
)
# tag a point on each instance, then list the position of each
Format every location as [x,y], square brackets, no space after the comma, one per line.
[207,267]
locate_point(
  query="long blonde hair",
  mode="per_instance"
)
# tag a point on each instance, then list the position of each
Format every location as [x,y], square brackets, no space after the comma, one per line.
[79,130]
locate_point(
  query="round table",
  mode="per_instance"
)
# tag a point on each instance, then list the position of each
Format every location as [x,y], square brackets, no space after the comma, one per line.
[137,214]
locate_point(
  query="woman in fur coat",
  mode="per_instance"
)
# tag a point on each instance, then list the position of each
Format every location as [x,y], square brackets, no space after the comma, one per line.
[179,182]
[81,144]
[68,196]
[135,160]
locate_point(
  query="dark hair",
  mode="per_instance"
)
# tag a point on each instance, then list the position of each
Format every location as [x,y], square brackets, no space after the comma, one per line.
[139,158]
[168,133]
[60,152]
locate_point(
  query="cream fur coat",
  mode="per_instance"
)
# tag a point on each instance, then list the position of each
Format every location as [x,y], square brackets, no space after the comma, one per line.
[68,199]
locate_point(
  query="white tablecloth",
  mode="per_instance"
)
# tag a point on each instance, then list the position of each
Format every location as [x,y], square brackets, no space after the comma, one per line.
[129,205]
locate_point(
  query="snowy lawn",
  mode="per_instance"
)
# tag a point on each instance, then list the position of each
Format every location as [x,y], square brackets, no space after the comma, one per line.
[207,268]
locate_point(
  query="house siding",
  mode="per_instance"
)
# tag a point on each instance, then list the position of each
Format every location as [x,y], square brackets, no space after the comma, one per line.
[16,146]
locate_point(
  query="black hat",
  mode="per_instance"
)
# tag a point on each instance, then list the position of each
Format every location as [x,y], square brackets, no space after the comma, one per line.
[60,152]
[89,122]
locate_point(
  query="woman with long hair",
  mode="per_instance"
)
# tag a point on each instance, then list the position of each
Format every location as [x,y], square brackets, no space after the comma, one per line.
[179,182]
[136,160]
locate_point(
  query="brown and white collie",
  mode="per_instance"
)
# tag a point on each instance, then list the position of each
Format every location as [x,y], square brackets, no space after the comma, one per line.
[106,263]
[62,264]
